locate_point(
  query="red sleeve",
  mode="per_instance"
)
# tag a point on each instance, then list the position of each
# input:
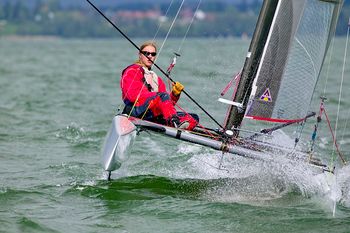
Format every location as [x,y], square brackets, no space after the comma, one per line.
[162,88]
[132,85]
[174,98]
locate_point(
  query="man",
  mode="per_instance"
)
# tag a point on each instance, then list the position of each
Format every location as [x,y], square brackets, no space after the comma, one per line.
[145,95]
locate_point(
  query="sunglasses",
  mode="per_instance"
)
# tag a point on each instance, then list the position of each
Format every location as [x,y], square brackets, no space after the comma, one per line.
[146,53]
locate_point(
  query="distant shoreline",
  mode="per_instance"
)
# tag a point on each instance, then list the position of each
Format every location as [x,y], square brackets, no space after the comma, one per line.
[29,38]
[55,38]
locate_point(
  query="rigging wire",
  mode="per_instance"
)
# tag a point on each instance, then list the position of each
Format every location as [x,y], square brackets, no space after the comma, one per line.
[160,24]
[189,26]
[330,58]
[159,68]
[335,144]
[171,27]
[345,126]
[328,67]
[341,82]
[177,54]
[173,22]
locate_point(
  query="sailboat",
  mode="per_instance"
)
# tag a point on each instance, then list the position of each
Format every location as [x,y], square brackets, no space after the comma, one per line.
[275,85]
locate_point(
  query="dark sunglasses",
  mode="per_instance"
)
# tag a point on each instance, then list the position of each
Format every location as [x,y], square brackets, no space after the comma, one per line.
[148,53]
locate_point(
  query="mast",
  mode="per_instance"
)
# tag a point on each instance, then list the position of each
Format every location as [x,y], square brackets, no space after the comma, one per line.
[236,114]
[282,58]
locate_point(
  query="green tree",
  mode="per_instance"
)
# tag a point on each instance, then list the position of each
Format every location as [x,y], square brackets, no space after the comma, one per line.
[8,11]
[20,12]
[2,13]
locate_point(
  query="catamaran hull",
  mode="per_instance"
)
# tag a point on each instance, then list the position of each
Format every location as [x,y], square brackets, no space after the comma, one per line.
[197,139]
[123,131]
[118,142]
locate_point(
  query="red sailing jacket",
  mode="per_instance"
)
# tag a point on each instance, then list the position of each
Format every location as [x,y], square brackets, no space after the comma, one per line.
[134,87]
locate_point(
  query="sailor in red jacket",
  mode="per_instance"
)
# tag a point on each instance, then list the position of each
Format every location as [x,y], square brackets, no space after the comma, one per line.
[145,95]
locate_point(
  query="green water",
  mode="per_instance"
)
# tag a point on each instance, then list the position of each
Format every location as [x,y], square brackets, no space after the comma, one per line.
[57,101]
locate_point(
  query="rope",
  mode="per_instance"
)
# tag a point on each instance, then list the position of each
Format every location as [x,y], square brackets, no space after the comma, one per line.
[342,77]
[183,40]
[341,90]
[160,24]
[237,79]
[333,137]
[188,28]
[345,126]
[146,110]
[137,99]
[171,26]
[330,58]
[234,78]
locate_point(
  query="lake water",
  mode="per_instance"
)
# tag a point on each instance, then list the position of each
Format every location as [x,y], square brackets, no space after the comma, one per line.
[57,101]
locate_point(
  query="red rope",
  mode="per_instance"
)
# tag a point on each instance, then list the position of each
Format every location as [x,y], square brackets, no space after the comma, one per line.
[236,77]
[333,136]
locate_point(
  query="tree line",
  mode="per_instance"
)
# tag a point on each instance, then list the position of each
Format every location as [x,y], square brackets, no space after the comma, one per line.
[50,18]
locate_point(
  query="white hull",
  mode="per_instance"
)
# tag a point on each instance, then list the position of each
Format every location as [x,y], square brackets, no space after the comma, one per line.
[123,131]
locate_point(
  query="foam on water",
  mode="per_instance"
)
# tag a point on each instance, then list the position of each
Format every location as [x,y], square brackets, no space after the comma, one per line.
[237,179]
[72,132]
[343,183]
